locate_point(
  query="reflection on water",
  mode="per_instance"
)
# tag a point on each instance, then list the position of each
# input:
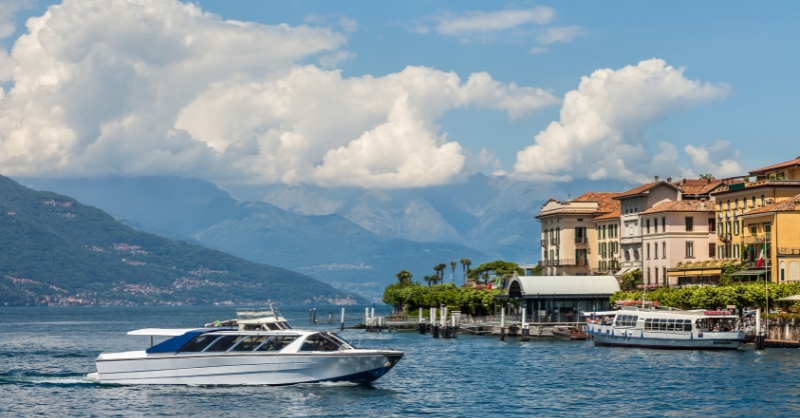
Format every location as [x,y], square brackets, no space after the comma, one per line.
[46,353]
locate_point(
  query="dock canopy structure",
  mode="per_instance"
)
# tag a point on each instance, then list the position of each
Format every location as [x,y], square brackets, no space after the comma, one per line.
[561,298]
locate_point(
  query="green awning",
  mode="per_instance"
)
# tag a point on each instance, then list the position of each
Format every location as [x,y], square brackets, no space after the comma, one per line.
[749,273]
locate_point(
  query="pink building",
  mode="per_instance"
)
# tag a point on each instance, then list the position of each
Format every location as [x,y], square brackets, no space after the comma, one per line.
[678,232]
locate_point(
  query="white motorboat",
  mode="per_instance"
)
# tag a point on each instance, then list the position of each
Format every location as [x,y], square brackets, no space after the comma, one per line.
[665,329]
[217,356]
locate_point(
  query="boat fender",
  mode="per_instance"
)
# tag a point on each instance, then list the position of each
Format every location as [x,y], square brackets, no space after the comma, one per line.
[699,335]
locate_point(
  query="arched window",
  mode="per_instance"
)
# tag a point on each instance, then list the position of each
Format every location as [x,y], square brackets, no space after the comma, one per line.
[763,200]
[783,271]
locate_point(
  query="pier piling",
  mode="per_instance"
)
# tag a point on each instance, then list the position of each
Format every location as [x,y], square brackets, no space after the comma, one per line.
[341,326]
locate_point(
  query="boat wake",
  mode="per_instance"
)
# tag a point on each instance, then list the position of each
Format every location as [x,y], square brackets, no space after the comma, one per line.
[48,379]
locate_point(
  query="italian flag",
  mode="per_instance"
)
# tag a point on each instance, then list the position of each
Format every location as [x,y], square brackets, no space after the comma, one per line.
[761,257]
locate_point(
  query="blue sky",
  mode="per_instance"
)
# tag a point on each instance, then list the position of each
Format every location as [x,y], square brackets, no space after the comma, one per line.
[748,52]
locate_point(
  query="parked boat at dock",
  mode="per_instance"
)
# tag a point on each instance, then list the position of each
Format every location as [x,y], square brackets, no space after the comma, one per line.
[666,328]
[568,333]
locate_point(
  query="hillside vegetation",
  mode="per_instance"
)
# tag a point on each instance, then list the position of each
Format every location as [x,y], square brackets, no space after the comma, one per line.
[54,250]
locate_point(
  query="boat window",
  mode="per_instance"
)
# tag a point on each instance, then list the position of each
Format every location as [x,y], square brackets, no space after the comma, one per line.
[662,324]
[223,343]
[198,343]
[670,325]
[618,321]
[317,342]
[648,323]
[273,327]
[342,342]
[286,325]
[702,324]
[277,343]
[687,325]
[249,343]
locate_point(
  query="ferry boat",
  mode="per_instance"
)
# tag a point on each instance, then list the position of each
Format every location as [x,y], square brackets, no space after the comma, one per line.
[666,328]
[257,348]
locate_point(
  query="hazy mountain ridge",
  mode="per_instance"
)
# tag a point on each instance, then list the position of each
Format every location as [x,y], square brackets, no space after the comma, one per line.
[55,250]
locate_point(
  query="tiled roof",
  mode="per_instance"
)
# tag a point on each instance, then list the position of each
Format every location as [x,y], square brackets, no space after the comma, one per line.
[605,200]
[759,184]
[697,186]
[682,206]
[642,189]
[788,205]
[608,216]
[785,164]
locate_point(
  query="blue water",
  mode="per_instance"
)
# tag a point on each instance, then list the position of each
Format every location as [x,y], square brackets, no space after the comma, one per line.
[45,354]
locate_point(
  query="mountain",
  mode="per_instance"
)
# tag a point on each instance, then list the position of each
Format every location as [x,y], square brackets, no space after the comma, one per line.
[55,250]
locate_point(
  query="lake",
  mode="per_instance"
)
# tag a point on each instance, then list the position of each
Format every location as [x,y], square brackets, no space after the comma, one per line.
[46,353]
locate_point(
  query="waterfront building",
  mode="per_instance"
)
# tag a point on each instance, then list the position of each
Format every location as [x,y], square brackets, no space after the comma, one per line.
[674,234]
[569,237]
[632,203]
[607,227]
[747,210]
[781,236]
[561,299]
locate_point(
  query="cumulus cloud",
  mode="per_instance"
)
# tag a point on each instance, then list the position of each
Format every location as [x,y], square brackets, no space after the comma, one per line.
[599,134]
[8,9]
[481,23]
[562,35]
[719,159]
[158,87]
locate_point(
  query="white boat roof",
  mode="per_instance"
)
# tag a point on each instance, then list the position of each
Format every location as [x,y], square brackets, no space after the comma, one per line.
[161,332]
[600,313]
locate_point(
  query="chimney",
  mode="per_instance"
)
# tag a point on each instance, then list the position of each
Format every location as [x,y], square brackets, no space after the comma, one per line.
[656,178]
[669,179]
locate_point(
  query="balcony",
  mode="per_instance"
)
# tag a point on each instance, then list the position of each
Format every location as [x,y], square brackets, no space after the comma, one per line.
[757,239]
[725,237]
[564,262]
[788,251]
[581,240]
[544,243]
[752,265]
[555,241]
[631,239]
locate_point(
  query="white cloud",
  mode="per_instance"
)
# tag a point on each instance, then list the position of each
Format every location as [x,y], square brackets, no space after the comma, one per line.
[718,159]
[538,50]
[562,35]
[333,60]
[476,22]
[599,134]
[158,87]
[8,10]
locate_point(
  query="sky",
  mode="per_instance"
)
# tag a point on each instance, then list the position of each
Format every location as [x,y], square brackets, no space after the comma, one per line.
[396,94]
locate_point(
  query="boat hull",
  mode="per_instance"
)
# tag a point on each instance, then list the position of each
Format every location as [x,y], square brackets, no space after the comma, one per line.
[246,368]
[665,342]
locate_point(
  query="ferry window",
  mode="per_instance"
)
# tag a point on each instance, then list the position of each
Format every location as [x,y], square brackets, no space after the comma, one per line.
[223,343]
[618,322]
[277,343]
[662,325]
[648,323]
[687,325]
[671,325]
[198,343]
[249,343]
[319,343]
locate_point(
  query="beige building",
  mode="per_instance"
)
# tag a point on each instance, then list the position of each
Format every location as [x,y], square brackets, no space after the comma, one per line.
[569,235]
[607,226]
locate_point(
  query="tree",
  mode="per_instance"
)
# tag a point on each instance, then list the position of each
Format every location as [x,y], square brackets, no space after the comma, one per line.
[439,268]
[495,270]
[453,270]
[536,271]
[708,176]
[465,262]
[431,280]
[404,277]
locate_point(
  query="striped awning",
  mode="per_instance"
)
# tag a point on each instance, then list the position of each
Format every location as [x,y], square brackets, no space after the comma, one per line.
[694,272]
[749,273]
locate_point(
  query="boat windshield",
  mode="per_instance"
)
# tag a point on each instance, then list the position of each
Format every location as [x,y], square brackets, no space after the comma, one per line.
[319,342]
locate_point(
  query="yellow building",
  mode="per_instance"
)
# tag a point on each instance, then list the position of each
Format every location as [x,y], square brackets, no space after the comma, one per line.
[751,215]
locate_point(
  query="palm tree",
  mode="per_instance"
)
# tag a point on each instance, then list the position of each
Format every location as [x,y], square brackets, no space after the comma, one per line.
[430,279]
[453,271]
[465,262]
[404,277]
[440,271]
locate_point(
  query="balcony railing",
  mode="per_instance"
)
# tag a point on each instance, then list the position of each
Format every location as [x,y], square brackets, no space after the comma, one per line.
[555,241]
[758,239]
[788,251]
[564,262]
[752,265]
[581,240]
[544,243]
[631,239]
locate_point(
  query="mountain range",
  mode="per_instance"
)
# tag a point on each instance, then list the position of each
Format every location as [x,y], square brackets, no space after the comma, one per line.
[55,250]
[354,239]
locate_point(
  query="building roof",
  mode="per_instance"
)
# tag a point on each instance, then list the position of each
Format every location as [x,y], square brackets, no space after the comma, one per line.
[681,206]
[788,205]
[608,216]
[605,200]
[644,188]
[544,286]
[697,186]
[785,164]
[755,185]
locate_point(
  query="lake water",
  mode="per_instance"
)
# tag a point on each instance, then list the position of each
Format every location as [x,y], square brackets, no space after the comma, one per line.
[45,354]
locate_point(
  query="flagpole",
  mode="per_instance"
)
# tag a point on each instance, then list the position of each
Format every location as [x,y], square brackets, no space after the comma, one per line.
[766,281]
